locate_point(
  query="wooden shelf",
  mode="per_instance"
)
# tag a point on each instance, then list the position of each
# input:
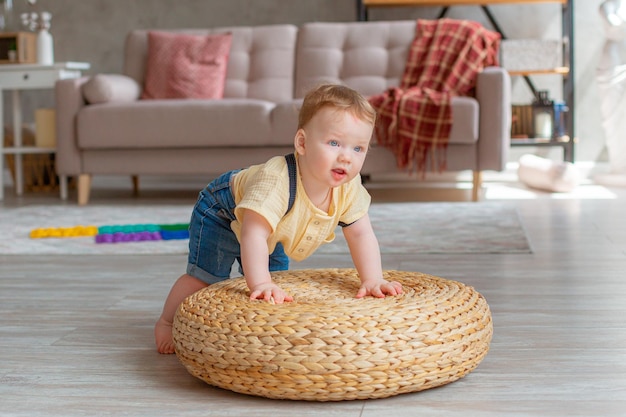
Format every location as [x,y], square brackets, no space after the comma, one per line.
[566,143]
[390,3]
[22,44]
[558,71]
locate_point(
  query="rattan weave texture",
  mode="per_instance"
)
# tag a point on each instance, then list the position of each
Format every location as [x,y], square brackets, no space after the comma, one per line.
[328,346]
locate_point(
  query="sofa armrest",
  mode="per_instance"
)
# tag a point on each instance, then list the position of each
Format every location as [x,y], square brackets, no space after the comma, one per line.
[493,92]
[69,100]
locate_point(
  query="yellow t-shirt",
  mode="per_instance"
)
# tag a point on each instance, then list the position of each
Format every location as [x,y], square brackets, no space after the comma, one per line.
[265,190]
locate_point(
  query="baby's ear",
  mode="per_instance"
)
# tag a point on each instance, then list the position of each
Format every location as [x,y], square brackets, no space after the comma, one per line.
[299,141]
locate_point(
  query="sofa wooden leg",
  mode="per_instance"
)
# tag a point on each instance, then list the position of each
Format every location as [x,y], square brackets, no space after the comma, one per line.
[477,183]
[84,186]
[135,180]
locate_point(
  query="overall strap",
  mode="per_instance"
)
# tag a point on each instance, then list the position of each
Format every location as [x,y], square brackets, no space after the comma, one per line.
[293,179]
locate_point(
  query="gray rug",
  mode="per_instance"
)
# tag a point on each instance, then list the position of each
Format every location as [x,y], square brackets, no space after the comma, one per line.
[401,228]
[405,228]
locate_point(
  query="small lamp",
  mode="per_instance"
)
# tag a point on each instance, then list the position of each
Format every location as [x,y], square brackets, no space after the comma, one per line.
[543,116]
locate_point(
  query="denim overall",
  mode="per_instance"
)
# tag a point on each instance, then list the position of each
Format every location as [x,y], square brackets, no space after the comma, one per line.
[213,246]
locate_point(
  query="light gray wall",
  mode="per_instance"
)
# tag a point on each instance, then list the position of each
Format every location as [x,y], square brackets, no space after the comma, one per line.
[94,31]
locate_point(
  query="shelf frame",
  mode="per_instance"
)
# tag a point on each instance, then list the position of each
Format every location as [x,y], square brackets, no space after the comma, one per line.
[567,71]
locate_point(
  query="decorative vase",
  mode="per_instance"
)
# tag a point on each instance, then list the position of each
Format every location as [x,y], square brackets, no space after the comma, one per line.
[45,47]
[40,23]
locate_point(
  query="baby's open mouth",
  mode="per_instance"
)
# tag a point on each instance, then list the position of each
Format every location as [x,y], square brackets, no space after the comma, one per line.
[339,173]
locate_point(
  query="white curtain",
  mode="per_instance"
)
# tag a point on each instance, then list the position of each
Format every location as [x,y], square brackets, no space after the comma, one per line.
[611,79]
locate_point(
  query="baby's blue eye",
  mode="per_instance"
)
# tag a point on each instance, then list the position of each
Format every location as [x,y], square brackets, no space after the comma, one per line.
[333,143]
[358,149]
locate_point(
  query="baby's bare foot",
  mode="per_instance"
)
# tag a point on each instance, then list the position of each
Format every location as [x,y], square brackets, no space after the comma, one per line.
[163,336]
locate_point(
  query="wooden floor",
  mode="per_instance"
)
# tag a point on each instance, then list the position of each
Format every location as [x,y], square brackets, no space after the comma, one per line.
[76,332]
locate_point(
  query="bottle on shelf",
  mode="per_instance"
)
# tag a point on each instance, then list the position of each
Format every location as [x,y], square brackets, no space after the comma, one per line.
[560,121]
[7,17]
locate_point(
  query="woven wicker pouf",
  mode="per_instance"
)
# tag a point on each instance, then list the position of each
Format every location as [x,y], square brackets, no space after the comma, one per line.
[328,346]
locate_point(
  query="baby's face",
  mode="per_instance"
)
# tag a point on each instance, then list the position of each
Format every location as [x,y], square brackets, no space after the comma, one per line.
[336,142]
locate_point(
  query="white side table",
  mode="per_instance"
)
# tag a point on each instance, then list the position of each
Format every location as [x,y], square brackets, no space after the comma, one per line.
[17,77]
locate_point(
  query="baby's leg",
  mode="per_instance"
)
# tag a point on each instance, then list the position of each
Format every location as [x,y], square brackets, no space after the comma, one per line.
[184,287]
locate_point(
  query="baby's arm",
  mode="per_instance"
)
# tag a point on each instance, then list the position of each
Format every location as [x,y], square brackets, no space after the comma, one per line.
[255,259]
[366,257]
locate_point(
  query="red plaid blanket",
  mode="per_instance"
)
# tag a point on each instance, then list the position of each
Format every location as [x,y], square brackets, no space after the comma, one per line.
[414,119]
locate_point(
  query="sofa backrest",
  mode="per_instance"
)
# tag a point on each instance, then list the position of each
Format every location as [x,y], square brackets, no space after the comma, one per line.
[260,64]
[366,56]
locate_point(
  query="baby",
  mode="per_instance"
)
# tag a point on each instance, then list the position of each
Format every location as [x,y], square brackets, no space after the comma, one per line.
[286,208]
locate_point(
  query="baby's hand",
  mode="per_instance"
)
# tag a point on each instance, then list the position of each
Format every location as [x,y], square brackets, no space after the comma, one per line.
[268,292]
[379,288]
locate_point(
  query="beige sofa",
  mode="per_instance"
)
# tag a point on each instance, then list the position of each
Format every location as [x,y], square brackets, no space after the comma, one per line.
[269,70]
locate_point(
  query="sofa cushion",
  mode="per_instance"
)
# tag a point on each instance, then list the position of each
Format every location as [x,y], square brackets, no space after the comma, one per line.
[366,56]
[186,66]
[103,88]
[369,57]
[285,122]
[175,123]
[545,174]
[260,63]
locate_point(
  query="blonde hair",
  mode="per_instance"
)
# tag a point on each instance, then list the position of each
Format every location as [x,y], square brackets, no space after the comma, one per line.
[339,97]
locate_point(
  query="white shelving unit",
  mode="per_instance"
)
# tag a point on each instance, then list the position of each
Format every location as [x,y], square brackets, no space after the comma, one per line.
[18,77]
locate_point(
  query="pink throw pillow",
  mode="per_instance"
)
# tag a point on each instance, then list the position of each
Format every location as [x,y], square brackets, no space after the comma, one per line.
[186,66]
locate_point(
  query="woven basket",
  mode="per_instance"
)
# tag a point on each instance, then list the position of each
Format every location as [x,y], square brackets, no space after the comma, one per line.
[328,346]
[38,169]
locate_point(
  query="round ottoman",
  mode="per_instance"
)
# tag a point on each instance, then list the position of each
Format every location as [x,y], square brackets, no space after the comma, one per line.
[328,346]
